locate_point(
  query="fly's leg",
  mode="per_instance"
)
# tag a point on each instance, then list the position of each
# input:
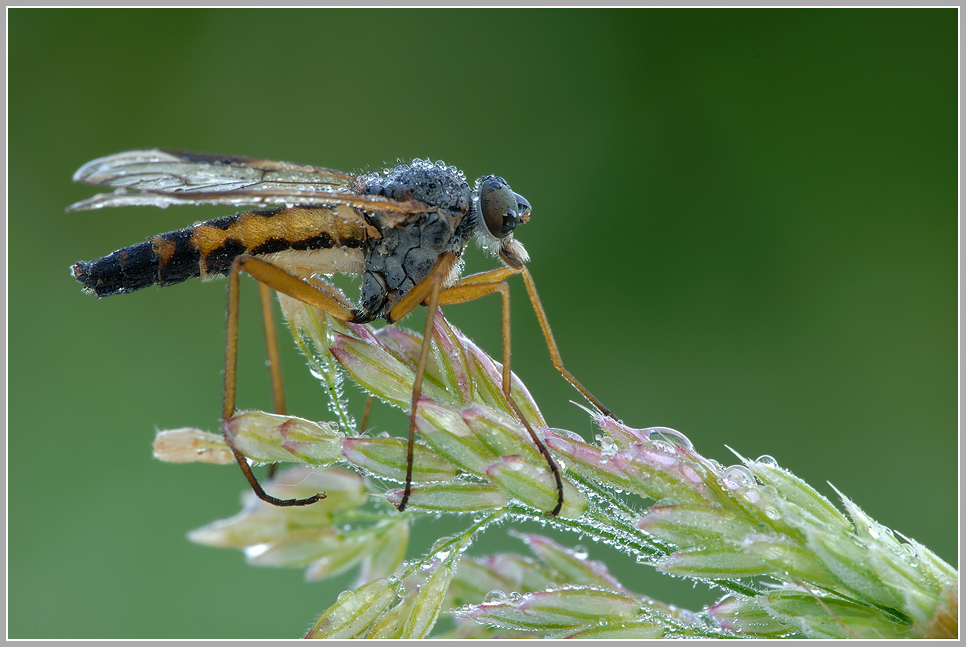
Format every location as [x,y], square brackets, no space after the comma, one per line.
[477,285]
[487,283]
[271,348]
[429,287]
[426,291]
[271,352]
[271,278]
[552,345]
[469,289]
[365,414]
[501,274]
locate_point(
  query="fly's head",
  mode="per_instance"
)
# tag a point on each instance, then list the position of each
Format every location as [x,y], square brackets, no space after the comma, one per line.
[499,211]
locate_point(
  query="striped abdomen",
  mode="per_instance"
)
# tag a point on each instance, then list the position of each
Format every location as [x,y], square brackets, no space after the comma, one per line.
[209,248]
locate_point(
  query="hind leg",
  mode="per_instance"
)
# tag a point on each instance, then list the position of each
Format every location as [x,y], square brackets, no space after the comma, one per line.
[269,277]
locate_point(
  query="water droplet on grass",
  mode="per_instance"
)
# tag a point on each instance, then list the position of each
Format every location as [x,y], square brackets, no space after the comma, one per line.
[495,596]
[667,434]
[737,477]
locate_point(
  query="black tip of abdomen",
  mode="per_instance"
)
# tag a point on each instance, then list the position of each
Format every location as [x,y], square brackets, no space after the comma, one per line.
[126,270]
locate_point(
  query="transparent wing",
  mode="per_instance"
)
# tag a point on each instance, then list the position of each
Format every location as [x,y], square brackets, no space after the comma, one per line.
[162,178]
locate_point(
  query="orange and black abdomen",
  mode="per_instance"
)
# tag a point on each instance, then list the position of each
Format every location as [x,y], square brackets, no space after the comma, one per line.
[209,248]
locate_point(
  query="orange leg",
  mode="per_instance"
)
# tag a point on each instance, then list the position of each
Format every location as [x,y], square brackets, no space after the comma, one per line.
[469,289]
[472,290]
[271,351]
[269,277]
[428,292]
[552,345]
[428,289]
[501,274]
[365,415]
[271,348]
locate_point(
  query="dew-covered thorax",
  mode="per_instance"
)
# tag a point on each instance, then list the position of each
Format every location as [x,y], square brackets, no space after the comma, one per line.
[411,244]
[433,183]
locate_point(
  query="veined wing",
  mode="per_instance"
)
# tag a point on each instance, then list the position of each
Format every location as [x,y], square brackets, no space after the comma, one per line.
[162,178]
[170,170]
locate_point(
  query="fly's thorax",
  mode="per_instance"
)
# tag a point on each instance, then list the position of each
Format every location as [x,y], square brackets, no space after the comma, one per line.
[435,184]
[405,255]
[411,245]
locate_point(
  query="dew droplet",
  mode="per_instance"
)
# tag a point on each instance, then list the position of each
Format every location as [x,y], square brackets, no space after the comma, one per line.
[751,494]
[885,533]
[772,512]
[608,448]
[495,596]
[672,436]
[663,446]
[580,551]
[737,477]
[765,459]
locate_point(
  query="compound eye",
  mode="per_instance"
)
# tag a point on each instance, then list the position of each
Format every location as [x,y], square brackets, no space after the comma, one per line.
[501,208]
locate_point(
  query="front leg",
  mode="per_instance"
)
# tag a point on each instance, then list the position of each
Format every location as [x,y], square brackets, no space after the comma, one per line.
[479,285]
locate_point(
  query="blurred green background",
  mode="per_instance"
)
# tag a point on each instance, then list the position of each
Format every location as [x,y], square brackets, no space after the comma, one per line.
[744,228]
